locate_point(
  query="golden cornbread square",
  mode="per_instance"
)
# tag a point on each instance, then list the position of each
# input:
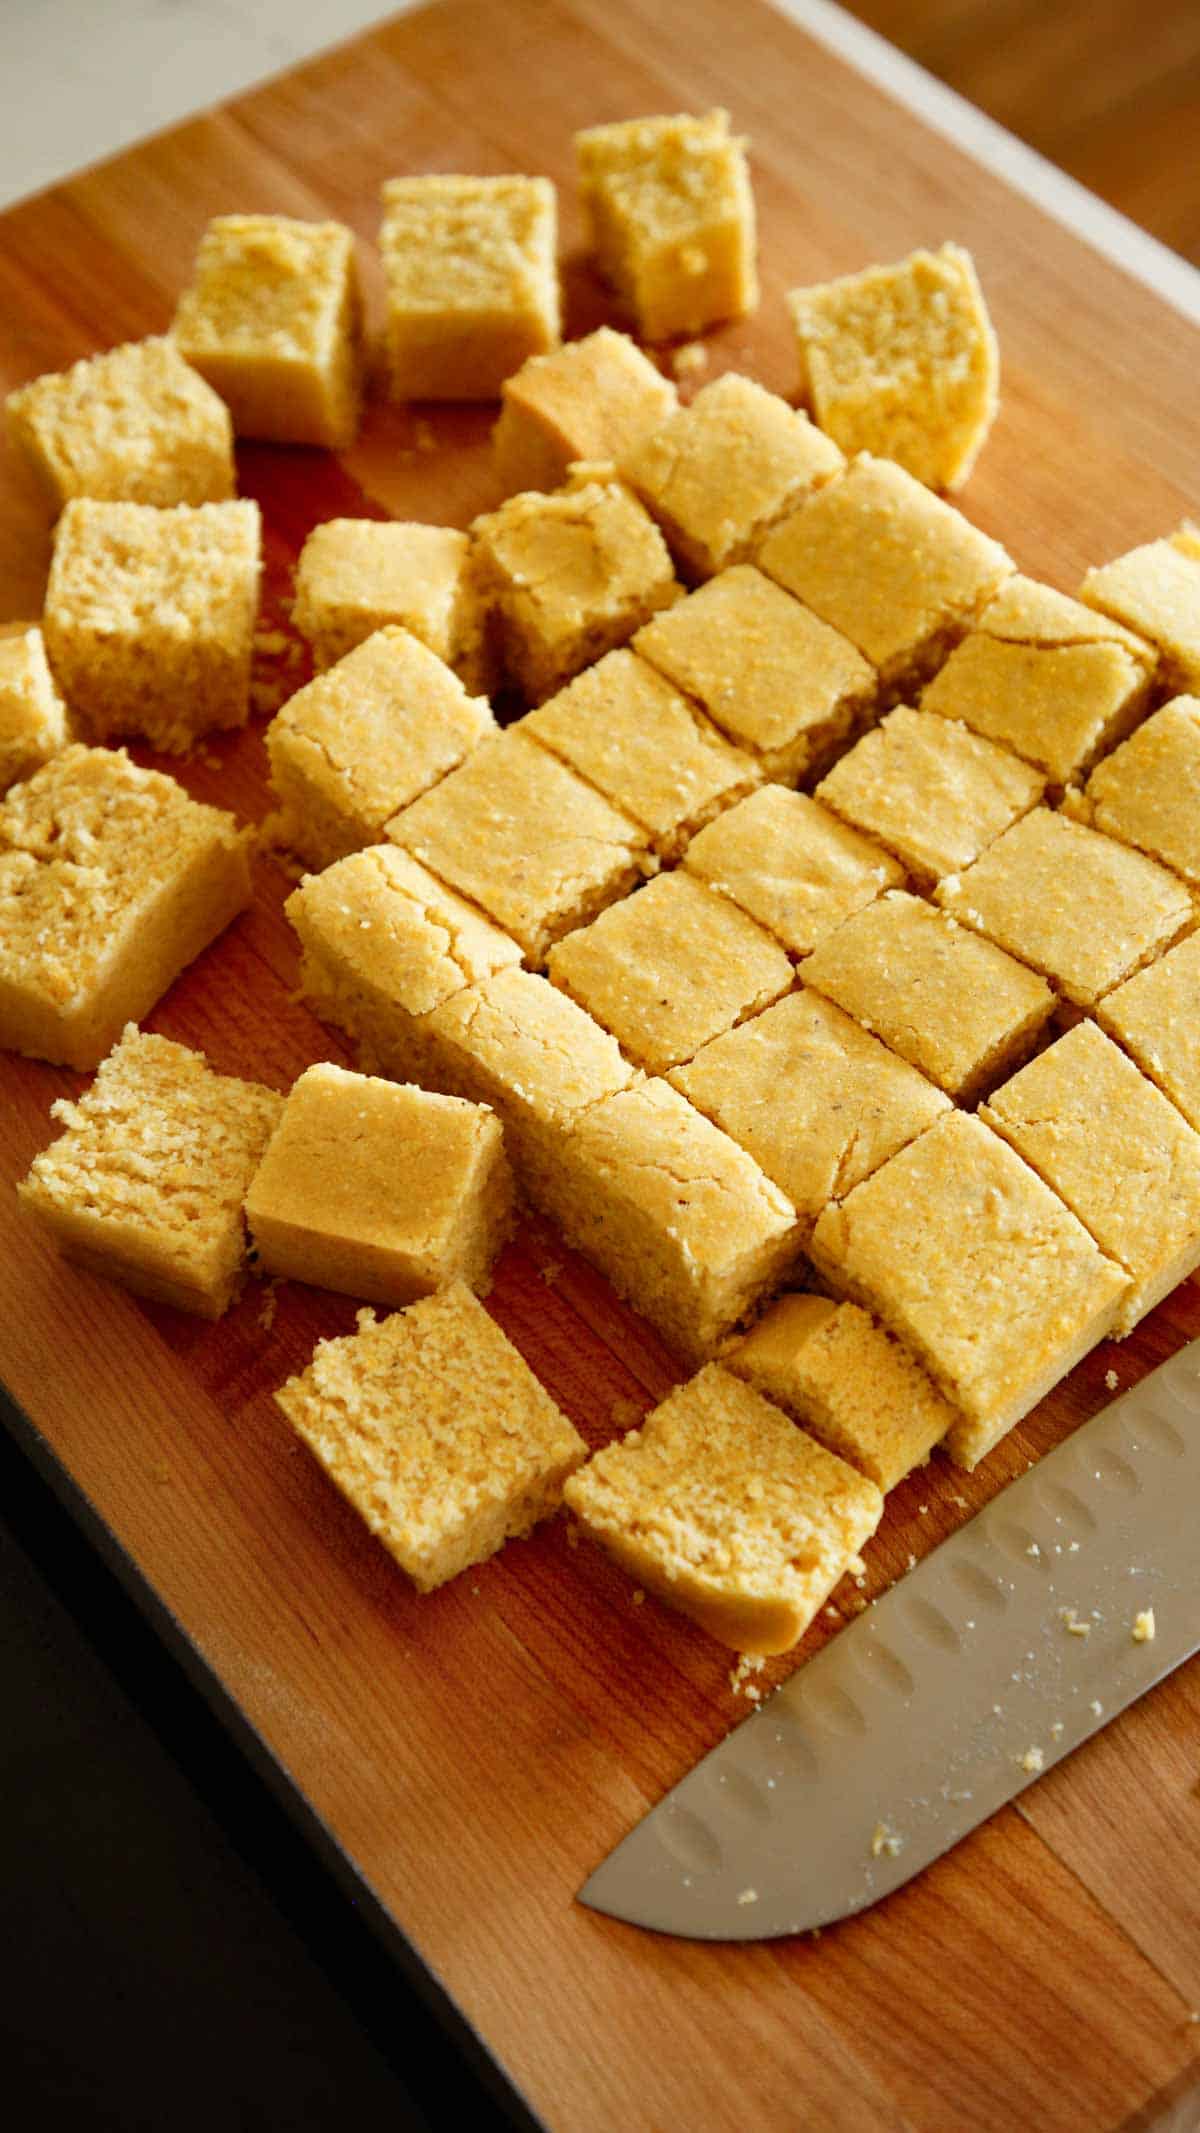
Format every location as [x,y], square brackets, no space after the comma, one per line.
[1148,793]
[1155,590]
[146,1184]
[774,679]
[670,219]
[33,716]
[135,424]
[956,1007]
[1156,1016]
[149,618]
[972,1261]
[273,319]
[1111,1145]
[357,575]
[379,1189]
[436,1431]
[718,473]
[1085,911]
[726,1510]
[669,968]
[111,880]
[364,739]
[901,361]
[592,399]
[792,865]
[472,282]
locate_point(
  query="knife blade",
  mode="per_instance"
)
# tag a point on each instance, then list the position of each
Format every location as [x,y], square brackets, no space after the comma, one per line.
[996,1656]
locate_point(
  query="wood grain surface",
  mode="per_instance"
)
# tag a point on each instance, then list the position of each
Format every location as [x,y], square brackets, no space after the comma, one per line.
[475,1754]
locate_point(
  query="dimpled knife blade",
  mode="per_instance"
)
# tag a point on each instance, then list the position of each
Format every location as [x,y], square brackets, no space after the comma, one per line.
[995,1657]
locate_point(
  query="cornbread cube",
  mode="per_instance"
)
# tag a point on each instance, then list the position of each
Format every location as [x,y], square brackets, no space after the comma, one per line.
[364,739]
[966,1255]
[589,400]
[149,621]
[1148,793]
[472,284]
[568,577]
[932,791]
[136,424]
[852,1387]
[922,985]
[670,968]
[437,1432]
[520,835]
[792,865]
[273,320]
[111,880]
[357,575]
[717,474]
[1083,910]
[902,361]
[33,716]
[1155,590]
[720,1506]
[380,1190]
[817,1102]
[784,686]
[1156,1016]
[146,1184]
[1110,1145]
[900,573]
[670,219]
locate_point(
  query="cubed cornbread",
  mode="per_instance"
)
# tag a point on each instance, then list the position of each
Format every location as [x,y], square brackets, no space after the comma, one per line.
[472,282]
[379,1189]
[813,1098]
[366,738]
[33,716]
[854,1388]
[1156,1016]
[149,618]
[726,1510]
[437,1432]
[1085,911]
[520,835]
[566,577]
[111,880]
[716,475]
[972,1261]
[273,319]
[775,679]
[592,399]
[902,361]
[1111,1145]
[356,575]
[1155,590]
[1148,793]
[146,1184]
[899,572]
[932,791]
[956,1007]
[135,424]
[792,865]
[669,968]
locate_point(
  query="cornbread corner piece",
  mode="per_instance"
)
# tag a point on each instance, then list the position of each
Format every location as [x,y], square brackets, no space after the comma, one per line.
[149,619]
[775,679]
[899,572]
[364,739]
[111,880]
[1111,1145]
[380,1190]
[146,1184]
[273,320]
[720,1506]
[357,575]
[593,399]
[670,218]
[33,717]
[1072,903]
[1155,590]
[857,1390]
[472,282]
[136,424]
[902,361]
[816,1101]
[1148,793]
[436,1431]
[932,791]
[717,474]
[792,865]
[1156,1016]
[973,1262]
[921,983]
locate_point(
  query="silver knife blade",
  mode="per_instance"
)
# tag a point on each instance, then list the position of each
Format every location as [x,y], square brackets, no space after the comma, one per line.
[996,1656]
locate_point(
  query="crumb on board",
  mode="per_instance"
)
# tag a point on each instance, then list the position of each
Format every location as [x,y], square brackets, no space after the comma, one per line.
[269,1306]
[748,1896]
[1096,1707]
[690,360]
[1033,1761]
[625,1414]
[886,1843]
[1111,1380]
[740,1682]
[1056,1730]
[637,1597]
[551,1271]
[1144,1626]
[1073,1624]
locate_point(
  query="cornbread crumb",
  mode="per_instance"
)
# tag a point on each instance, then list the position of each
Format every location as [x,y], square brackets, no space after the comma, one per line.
[748,1896]
[1111,1380]
[357,575]
[590,400]
[472,282]
[740,1676]
[625,1414]
[1073,1623]
[1144,1626]
[135,424]
[1033,1761]
[270,1306]
[885,1842]
[688,360]
[33,717]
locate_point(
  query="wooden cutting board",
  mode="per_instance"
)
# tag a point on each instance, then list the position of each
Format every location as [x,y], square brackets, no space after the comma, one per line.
[467,1759]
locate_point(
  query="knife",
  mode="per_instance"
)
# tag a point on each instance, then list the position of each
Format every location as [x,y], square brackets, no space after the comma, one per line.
[1063,1601]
